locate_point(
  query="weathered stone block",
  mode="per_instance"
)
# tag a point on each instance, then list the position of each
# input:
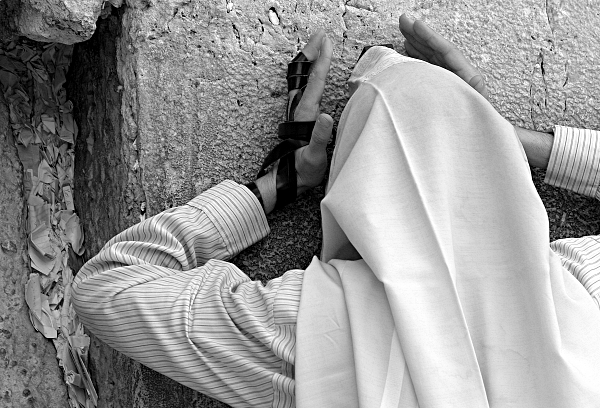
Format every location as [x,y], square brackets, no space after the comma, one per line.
[63,21]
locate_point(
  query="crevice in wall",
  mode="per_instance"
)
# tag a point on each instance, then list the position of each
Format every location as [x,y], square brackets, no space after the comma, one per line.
[100,155]
[105,199]
[102,83]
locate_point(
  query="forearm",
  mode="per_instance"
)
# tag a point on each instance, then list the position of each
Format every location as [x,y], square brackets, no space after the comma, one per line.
[179,323]
[151,291]
[153,294]
[217,224]
[537,146]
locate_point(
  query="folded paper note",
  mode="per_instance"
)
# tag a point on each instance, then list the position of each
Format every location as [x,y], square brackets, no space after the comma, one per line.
[68,197]
[39,309]
[72,231]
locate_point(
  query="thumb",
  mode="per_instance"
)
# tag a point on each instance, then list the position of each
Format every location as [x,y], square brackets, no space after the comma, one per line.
[311,163]
[478,84]
[321,134]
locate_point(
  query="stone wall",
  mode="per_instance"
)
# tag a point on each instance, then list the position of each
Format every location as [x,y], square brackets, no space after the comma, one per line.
[171,97]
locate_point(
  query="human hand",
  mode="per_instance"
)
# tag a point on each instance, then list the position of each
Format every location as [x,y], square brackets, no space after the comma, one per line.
[311,160]
[318,49]
[427,45]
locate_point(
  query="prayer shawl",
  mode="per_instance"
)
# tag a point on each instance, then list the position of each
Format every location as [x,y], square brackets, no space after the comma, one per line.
[447,293]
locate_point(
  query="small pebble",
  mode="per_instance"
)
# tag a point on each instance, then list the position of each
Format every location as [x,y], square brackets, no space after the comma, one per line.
[9,246]
[273,16]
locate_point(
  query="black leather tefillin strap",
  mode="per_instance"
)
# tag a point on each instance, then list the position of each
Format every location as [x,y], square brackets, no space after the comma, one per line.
[297,78]
[295,135]
[286,182]
[252,187]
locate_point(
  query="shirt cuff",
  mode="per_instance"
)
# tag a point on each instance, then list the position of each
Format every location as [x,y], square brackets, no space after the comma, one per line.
[575,160]
[236,213]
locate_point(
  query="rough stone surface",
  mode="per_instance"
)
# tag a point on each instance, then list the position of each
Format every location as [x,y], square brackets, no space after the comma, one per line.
[63,21]
[176,96]
[29,372]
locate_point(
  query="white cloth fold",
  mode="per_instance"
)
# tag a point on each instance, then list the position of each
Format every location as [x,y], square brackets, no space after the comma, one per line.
[430,188]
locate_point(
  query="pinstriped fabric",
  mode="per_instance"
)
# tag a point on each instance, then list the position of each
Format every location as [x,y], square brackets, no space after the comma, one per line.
[574,160]
[288,298]
[285,315]
[161,293]
[284,384]
[238,217]
[575,165]
[581,257]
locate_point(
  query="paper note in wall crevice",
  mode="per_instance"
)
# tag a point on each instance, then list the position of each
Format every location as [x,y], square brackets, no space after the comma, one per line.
[40,238]
[50,154]
[39,262]
[41,250]
[68,130]
[78,347]
[68,196]
[46,174]
[72,231]
[39,213]
[39,309]
[26,136]
[35,200]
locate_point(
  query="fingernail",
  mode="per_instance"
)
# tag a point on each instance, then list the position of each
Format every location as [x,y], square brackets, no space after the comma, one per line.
[325,120]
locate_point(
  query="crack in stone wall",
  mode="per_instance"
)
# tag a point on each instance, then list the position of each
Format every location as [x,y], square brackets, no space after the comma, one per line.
[108,195]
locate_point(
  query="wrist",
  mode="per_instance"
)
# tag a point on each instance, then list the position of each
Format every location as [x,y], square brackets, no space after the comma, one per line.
[537,146]
[267,187]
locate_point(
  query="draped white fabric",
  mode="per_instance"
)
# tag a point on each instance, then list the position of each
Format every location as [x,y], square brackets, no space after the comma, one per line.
[440,289]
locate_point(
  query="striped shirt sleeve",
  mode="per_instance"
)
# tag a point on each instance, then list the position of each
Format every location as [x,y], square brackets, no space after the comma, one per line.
[581,257]
[161,293]
[575,165]
[575,161]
